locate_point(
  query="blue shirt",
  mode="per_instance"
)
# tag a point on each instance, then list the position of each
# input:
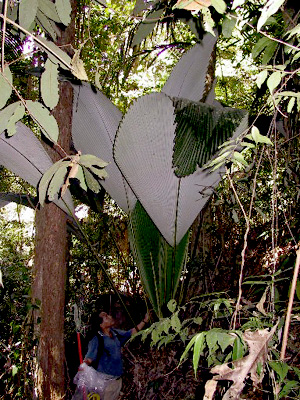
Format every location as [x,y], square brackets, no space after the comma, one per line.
[111,359]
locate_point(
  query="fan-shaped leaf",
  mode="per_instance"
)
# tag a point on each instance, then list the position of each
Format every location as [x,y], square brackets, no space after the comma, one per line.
[188,78]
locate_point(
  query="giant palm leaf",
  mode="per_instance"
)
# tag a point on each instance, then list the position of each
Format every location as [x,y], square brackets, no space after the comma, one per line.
[24,155]
[94,126]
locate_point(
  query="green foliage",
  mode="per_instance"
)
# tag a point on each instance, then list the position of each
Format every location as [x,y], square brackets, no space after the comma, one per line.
[160,265]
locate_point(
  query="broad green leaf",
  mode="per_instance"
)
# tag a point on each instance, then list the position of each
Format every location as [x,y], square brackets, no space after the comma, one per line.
[89,160]
[6,114]
[198,320]
[14,370]
[268,52]
[260,46]
[208,21]
[219,6]
[258,138]
[172,305]
[17,115]
[166,325]
[57,181]
[248,144]
[55,54]
[294,31]
[175,323]
[225,340]
[291,104]
[42,117]
[211,340]
[198,349]
[63,8]
[47,25]
[274,80]
[261,77]
[239,157]
[91,182]
[280,367]
[48,8]
[269,9]
[290,385]
[188,347]
[100,172]
[228,26]
[5,86]
[238,349]
[49,84]
[27,12]
[46,178]
[81,177]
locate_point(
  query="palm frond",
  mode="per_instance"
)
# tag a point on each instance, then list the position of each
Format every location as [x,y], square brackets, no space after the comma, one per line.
[200,130]
[95,123]
[24,155]
[160,264]
[188,78]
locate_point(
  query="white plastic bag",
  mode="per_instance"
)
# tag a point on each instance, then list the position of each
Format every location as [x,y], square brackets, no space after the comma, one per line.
[88,380]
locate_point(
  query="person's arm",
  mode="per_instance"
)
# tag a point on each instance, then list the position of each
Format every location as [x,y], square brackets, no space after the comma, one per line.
[88,361]
[141,325]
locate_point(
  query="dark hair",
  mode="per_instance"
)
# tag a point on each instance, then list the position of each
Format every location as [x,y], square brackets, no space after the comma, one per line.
[95,322]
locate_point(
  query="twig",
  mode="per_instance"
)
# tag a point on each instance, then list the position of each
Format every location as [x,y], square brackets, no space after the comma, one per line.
[290,306]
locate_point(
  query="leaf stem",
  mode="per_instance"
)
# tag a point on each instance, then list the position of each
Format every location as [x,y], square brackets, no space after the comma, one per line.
[290,306]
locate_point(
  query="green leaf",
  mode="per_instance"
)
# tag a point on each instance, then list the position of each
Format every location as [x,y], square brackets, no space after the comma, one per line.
[55,54]
[269,9]
[198,349]
[91,182]
[49,84]
[57,181]
[46,178]
[225,340]
[261,77]
[290,385]
[172,305]
[63,8]
[274,80]
[175,323]
[188,347]
[14,370]
[298,289]
[238,349]
[228,26]
[6,114]
[237,3]
[42,117]
[100,172]
[260,46]
[27,12]
[240,158]
[258,138]
[5,86]
[211,340]
[269,52]
[48,8]
[47,25]
[280,367]
[81,177]
[16,116]
[89,160]
[291,104]
[219,6]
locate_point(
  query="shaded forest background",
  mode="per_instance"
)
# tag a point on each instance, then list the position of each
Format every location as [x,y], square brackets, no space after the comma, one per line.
[242,247]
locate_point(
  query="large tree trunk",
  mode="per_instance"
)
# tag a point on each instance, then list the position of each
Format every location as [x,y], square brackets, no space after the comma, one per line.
[50,267]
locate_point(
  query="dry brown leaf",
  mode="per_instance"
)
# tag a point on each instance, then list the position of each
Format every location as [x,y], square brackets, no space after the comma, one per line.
[258,349]
[260,304]
[193,5]
[210,388]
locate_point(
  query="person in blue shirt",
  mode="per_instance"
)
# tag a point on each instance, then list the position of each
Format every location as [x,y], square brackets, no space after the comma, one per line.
[110,360]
